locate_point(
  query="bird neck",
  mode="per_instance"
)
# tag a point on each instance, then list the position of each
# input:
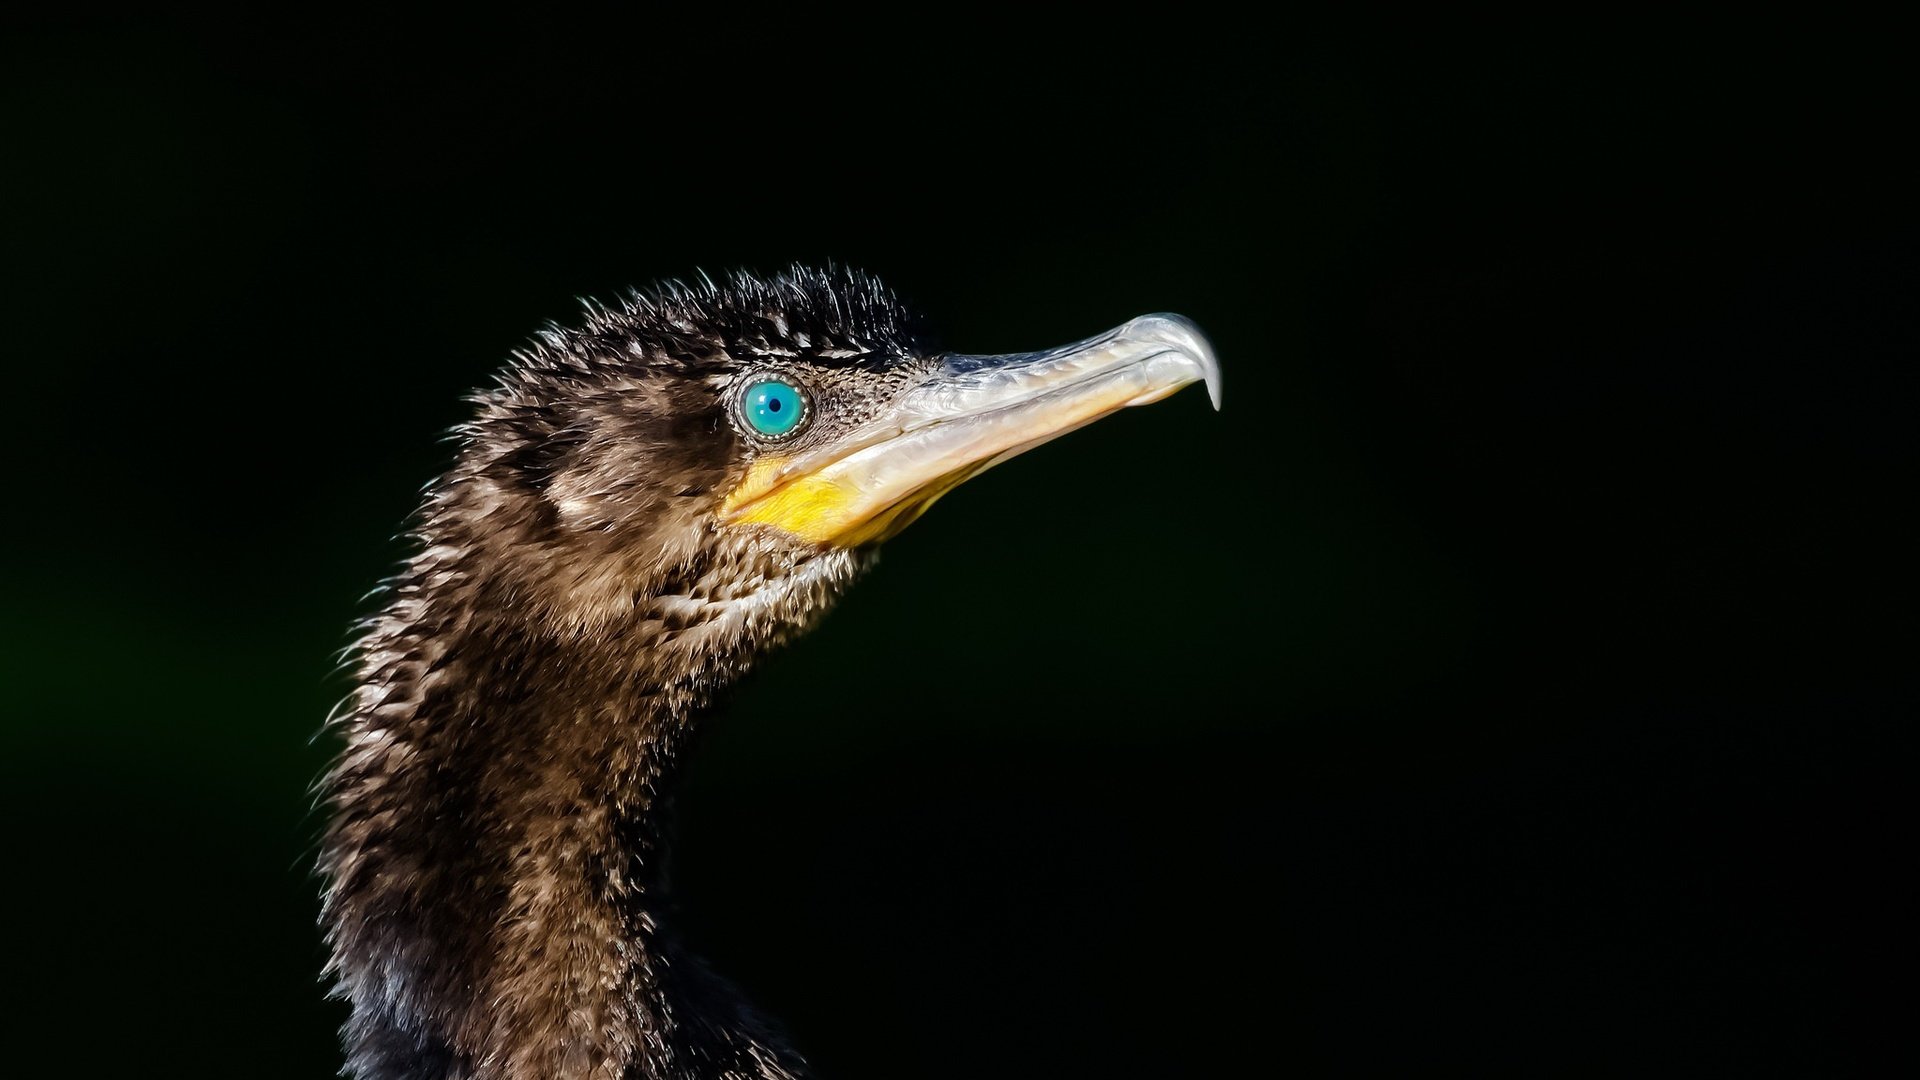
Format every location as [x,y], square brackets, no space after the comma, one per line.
[497,855]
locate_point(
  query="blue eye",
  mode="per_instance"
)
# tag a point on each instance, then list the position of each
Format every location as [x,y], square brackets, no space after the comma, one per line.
[773,408]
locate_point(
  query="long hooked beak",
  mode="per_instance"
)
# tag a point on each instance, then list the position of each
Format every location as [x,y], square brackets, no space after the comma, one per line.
[970,414]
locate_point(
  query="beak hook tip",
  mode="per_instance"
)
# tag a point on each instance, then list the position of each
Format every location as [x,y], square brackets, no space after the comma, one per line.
[1186,336]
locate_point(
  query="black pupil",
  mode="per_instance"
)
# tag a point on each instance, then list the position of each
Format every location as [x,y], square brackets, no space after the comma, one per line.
[773,404]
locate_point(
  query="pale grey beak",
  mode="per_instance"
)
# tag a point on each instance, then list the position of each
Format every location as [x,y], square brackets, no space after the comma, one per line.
[969,414]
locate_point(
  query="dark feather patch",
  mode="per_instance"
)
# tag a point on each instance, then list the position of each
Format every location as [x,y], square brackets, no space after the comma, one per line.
[493,860]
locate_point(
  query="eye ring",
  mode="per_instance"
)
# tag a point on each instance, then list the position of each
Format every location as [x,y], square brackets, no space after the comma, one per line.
[773,407]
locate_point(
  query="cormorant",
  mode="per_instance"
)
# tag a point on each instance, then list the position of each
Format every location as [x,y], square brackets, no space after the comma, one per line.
[640,507]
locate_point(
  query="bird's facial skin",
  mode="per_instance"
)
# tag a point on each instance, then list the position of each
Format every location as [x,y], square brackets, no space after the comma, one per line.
[761,426]
[940,422]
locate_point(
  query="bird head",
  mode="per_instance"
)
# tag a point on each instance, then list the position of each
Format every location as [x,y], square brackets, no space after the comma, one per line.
[787,418]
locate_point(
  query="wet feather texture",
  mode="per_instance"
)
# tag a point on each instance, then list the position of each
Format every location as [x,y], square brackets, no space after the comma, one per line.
[493,887]
[582,586]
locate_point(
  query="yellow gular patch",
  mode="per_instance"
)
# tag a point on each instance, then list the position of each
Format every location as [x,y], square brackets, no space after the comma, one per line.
[810,507]
[761,476]
[826,509]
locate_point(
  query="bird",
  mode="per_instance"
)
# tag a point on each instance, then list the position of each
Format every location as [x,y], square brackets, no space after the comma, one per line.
[641,505]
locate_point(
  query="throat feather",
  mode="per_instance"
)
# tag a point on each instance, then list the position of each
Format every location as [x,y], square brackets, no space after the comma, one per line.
[495,860]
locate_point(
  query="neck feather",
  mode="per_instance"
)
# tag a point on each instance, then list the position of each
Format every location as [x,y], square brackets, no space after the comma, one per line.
[495,859]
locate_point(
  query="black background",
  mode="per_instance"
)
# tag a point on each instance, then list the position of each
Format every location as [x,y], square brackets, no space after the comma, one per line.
[1503,680]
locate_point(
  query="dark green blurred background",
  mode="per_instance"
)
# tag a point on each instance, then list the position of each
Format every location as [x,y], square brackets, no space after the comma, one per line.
[1495,684]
